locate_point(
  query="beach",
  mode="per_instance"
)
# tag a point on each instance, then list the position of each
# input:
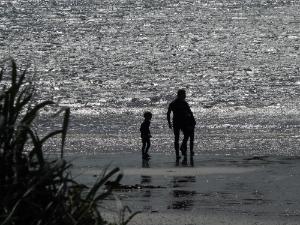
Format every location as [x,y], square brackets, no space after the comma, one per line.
[110,61]
[245,171]
[218,189]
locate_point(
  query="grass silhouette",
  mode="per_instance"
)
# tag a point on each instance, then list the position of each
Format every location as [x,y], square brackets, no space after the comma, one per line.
[33,190]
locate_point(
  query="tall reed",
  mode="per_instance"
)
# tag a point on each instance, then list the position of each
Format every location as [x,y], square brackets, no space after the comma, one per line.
[34,190]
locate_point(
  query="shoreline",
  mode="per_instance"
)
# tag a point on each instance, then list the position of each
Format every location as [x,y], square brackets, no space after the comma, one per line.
[217,190]
[204,218]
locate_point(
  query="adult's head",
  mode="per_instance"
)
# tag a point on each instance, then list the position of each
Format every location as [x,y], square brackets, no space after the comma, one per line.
[181,94]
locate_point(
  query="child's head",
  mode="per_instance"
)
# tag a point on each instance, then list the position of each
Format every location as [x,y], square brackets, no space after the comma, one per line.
[147,115]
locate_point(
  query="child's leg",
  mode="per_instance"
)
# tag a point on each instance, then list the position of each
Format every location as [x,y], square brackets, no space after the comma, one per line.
[148,144]
[144,146]
[183,147]
[192,134]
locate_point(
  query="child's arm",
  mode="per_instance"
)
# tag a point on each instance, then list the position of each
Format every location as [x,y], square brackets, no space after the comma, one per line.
[148,130]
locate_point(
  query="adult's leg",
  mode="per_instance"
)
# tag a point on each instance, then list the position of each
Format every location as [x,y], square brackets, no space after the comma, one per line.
[183,147]
[176,141]
[192,134]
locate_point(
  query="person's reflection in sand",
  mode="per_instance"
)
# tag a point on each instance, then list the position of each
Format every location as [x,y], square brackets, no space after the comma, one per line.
[145,163]
[183,196]
[182,181]
[177,163]
[146,179]
[147,193]
[192,161]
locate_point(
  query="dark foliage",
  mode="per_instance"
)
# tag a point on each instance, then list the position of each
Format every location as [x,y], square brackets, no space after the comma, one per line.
[34,190]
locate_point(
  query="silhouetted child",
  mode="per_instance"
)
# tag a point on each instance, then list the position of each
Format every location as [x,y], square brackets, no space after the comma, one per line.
[145,134]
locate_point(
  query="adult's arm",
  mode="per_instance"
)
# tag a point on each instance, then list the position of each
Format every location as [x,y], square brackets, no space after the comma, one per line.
[169,116]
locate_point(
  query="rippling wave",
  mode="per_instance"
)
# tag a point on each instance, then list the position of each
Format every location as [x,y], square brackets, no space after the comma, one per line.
[234,57]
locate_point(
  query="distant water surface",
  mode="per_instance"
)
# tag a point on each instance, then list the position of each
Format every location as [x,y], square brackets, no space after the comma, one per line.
[111,60]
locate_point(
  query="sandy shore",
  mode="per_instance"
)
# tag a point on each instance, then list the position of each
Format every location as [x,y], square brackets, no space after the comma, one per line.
[218,189]
[186,218]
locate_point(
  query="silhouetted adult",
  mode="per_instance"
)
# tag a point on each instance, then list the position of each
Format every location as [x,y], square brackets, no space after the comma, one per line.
[183,120]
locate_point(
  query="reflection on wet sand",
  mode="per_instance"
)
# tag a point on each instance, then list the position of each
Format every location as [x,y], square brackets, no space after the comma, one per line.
[183,204]
[182,198]
[146,179]
[145,163]
[182,181]
[258,187]
[185,163]
[192,161]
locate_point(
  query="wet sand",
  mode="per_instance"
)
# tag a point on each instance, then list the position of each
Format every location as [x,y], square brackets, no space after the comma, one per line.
[217,189]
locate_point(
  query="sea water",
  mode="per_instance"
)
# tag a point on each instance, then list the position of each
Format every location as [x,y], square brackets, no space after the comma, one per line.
[112,60]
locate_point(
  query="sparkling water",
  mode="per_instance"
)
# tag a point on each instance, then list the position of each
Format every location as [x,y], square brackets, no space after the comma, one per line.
[110,60]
